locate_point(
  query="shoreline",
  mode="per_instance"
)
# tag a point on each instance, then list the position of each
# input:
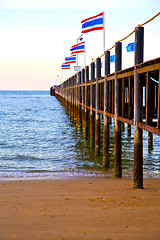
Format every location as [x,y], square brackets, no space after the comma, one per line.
[79,208]
[48,175]
[70,177]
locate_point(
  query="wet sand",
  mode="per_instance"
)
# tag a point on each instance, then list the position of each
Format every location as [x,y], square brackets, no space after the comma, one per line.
[93,208]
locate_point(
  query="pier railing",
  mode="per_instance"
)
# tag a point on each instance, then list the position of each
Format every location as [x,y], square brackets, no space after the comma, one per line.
[129,96]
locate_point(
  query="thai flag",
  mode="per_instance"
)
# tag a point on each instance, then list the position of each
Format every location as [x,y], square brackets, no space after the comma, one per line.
[93,23]
[65,66]
[78,48]
[71,59]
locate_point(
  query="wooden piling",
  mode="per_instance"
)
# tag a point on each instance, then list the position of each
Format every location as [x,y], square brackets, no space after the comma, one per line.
[138,107]
[92,113]
[72,99]
[83,100]
[158,107]
[79,100]
[106,109]
[123,104]
[118,109]
[85,127]
[97,129]
[52,91]
[149,108]
[129,105]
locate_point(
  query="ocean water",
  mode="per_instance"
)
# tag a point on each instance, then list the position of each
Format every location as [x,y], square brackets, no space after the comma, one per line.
[37,139]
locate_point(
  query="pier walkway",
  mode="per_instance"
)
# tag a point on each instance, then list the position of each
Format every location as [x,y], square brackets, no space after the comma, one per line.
[130,96]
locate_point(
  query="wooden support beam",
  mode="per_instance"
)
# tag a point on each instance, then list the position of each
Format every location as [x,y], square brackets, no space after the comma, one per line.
[123,103]
[138,107]
[129,105]
[85,125]
[97,129]
[149,107]
[92,113]
[106,109]
[118,109]
[158,109]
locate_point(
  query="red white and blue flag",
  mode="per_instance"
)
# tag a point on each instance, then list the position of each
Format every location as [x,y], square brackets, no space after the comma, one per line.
[65,66]
[93,23]
[78,48]
[71,59]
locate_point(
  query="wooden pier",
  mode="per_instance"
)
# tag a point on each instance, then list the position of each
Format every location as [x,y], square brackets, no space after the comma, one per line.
[129,96]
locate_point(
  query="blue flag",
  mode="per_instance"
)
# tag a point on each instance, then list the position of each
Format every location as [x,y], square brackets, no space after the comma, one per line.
[112,58]
[101,65]
[130,47]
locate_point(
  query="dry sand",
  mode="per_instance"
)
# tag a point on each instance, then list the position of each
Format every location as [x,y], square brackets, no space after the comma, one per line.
[93,208]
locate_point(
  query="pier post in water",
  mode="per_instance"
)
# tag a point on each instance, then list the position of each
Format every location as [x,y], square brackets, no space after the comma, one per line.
[149,108]
[138,108]
[118,108]
[92,113]
[74,100]
[76,82]
[83,100]
[129,105]
[79,100]
[70,98]
[85,128]
[106,109]
[97,129]
[158,104]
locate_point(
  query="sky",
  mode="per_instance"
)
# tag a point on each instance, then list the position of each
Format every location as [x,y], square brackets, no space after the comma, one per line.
[36,36]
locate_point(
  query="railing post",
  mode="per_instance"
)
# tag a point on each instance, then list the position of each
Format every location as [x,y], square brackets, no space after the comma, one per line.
[97,130]
[138,107]
[118,107]
[106,109]
[92,113]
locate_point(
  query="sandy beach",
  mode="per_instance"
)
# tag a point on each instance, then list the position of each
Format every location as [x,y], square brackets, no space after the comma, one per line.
[92,208]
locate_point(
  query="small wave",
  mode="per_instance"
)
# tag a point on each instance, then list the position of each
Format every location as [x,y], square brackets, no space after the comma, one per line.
[39,171]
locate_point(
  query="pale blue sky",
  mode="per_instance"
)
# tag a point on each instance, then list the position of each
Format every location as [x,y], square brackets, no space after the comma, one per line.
[37,35]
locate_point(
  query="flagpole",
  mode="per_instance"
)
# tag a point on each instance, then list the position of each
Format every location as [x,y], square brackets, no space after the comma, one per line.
[77,55]
[103,33]
[84,54]
[79,38]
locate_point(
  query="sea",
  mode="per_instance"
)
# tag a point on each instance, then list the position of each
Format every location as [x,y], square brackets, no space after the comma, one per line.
[38,140]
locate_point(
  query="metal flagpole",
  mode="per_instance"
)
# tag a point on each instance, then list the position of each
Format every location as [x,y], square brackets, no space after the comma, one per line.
[62,75]
[77,55]
[84,54]
[103,33]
